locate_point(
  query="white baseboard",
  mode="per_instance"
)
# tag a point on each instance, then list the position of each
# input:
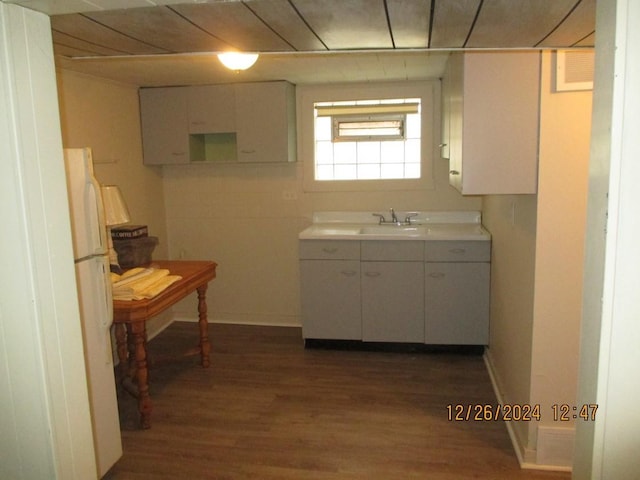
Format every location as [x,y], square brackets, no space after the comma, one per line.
[266,321]
[517,446]
[158,324]
[554,448]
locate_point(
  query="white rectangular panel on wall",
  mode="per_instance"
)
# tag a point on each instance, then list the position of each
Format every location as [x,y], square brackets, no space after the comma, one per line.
[574,70]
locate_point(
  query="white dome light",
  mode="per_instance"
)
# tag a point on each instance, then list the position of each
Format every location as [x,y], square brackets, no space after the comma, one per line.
[237,60]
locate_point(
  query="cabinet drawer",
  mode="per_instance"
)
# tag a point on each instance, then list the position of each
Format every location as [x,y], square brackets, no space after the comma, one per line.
[457,251]
[330,249]
[390,250]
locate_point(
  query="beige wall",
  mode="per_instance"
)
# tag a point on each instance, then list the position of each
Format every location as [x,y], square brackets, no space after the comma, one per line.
[511,219]
[537,274]
[562,196]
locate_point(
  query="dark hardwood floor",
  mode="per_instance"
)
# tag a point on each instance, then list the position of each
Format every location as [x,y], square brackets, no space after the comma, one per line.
[269,409]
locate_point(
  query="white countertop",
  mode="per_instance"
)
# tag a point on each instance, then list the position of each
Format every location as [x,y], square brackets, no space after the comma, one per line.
[458,225]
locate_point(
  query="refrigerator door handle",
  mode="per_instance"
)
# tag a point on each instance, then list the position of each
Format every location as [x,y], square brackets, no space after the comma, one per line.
[97,217]
[103,294]
[106,269]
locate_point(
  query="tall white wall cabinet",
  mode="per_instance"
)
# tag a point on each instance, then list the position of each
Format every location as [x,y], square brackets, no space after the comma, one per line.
[491,120]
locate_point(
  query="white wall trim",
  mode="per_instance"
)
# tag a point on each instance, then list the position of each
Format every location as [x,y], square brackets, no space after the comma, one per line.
[256,320]
[517,446]
[555,446]
[527,458]
[427,90]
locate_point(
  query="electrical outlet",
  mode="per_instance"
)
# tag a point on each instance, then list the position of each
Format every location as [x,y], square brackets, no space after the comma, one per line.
[289,195]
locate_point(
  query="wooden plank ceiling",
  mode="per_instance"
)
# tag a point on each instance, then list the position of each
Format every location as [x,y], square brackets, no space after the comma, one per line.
[323,26]
[172,42]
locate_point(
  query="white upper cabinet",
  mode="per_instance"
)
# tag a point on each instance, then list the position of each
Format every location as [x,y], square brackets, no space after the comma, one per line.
[236,123]
[491,107]
[165,139]
[266,119]
[212,109]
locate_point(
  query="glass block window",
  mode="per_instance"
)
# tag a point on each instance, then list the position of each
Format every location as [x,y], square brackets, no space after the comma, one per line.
[367,140]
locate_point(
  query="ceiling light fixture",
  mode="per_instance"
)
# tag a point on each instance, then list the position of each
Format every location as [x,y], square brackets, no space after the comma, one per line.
[237,60]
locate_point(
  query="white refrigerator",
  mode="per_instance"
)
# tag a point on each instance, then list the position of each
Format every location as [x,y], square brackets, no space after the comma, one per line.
[96,307]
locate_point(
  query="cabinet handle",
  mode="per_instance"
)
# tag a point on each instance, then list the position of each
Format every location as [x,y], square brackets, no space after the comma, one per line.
[247,151]
[437,275]
[458,251]
[442,145]
[372,274]
[178,154]
[454,172]
[330,250]
[348,273]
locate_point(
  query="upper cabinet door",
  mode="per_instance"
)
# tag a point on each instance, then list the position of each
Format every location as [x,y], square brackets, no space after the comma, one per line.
[163,113]
[265,121]
[494,121]
[212,109]
[445,93]
[455,80]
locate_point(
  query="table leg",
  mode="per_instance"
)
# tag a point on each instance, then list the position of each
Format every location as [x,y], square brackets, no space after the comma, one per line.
[131,352]
[138,331]
[205,346]
[121,348]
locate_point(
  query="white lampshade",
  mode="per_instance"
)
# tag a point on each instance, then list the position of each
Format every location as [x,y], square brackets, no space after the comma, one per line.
[115,208]
[237,60]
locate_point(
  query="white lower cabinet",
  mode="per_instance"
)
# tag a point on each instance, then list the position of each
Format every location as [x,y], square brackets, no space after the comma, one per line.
[393,302]
[432,292]
[330,297]
[456,303]
[392,287]
[457,283]
[330,289]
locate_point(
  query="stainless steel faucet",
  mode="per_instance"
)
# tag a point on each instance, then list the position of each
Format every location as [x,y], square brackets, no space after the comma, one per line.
[394,218]
[381,218]
[407,219]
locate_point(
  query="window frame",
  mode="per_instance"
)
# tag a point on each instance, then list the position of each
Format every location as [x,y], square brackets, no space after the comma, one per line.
[338,120]
[308,95]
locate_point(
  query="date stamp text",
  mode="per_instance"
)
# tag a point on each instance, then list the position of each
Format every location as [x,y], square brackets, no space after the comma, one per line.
[478,412]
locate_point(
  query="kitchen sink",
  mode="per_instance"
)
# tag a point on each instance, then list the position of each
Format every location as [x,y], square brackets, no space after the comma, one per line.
[392,229]
[427,226]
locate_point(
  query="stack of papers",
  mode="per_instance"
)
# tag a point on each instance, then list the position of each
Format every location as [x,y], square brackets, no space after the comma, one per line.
[141,283]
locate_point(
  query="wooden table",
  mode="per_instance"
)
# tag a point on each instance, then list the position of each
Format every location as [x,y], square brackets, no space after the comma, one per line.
[133,315]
